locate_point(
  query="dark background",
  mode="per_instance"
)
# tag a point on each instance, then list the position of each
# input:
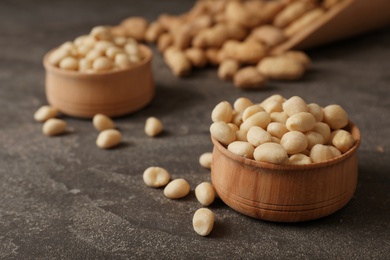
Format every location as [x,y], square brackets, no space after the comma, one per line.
[63,198]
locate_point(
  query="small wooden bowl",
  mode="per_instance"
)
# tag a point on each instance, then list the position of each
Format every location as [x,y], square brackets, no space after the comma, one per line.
[113,93]
[285,193]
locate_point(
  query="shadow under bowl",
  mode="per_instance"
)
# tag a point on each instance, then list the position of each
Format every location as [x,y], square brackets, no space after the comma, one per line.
[285,193]
[113,93]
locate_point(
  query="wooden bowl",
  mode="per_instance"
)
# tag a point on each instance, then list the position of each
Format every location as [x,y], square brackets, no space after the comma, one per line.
[285,193]
[113,93]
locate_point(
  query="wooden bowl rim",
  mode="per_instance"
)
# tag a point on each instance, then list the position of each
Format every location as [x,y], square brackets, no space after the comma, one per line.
[354,130]
[147,52]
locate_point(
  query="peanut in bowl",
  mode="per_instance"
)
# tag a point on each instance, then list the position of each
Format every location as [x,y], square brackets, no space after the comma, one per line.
[281,192]
[113,93]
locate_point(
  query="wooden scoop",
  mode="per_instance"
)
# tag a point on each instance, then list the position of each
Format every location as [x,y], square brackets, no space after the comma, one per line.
[348,18]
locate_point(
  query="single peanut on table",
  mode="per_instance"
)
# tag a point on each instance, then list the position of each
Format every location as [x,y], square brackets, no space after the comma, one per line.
[102,122]
[44,113]
[108,138]
[203,221]
[54,126]
[153,126]
[156,177]
[177,189]
[205,160]
[205,193]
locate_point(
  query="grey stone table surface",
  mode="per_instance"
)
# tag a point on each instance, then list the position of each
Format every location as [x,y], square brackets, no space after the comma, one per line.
[63,198]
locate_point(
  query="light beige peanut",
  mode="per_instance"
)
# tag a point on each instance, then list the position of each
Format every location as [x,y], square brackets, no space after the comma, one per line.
[222,112]
[177,189]
[93,55]
[122,61]
[268,34]
[235,31]
[304,21]
[257,136]
[182,37]
[85,65]
[205,193]
[299,56]
[294,142]
[103,45]
[102,64]
[281,68]
[57,55]
[342,140]
[241,135]
[178,62]
[303,122]
[112,51]
[54,126]
[292,12]
[102,122]
[249,111]
[335,116]
[118,30]
[237,118]
[44,113]
[234,127]
[316,111]
[321,153]
[205,160]
[227,69]
[279,117]
[153,126]
[108,138]
[249,78]
[275,139]
[275,97]
[153,32]
[323,129]
[313,138]
[197,57]
[241,148]
[271,153]
[242,103]
[203,221]
[334,151]
[272,106]
[101,33]
[277,129]
[69,63]
[261,119]
[222,133]
[135,27]
[156,177]
[299,159]
[120,41]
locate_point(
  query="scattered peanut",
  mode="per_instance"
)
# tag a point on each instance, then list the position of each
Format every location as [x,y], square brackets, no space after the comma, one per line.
[205,160]
[205,193]
[102,122]
[203,221]
[281,68]
[44,113]
[108,138]
[177,189]
[156,177]
[54,126]
[153,126]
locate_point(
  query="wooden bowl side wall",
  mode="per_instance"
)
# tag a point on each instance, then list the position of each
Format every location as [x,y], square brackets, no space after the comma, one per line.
[283,193]
[113,93]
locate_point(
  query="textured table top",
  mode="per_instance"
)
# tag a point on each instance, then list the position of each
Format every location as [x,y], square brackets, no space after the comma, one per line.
[63,198]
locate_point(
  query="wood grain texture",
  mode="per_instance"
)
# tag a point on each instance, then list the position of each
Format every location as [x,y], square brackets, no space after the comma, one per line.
[285,193]
[113,93]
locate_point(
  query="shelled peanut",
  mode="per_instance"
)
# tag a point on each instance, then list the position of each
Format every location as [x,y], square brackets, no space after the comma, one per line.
[282,131]
[235,34]
[100,50]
